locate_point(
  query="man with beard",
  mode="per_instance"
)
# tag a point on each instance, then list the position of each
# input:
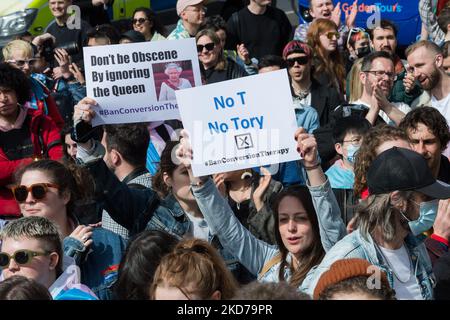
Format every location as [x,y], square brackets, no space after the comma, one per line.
[384,38]
[429,134]
[426,62]
[377,76]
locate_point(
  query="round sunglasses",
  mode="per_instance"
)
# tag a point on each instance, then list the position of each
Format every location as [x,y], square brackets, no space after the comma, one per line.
[21,257]
[38,191]
[140,20]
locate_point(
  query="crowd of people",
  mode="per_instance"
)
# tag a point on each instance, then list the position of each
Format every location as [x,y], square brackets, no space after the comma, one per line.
[109,214]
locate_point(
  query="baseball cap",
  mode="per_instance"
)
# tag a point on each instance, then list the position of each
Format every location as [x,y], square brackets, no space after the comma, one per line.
[182,4]
[404,170]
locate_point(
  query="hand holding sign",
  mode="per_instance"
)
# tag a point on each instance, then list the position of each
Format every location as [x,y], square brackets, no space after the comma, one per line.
[84,110]
[307,148]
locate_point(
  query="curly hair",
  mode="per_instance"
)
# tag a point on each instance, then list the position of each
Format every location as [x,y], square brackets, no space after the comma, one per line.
[332,65]
[368,152]
[14,79]
[432,119]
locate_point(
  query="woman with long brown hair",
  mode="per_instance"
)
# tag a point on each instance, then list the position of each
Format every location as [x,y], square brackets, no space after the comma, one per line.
[301,239]
[329,67]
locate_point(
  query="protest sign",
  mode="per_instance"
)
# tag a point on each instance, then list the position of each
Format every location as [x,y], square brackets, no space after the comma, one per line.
[241,123]
[136,82]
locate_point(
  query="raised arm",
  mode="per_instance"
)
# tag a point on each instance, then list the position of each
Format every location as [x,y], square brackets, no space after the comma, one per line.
[331,226]
[233,236]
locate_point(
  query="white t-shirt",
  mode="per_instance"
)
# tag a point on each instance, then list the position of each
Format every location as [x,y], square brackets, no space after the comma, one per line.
[199,227]
[403,107]
[444,108]
[402,266]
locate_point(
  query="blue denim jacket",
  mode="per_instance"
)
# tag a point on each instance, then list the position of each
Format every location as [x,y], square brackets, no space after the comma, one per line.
[355,245]
[100,264]
[250,251]
[138,210]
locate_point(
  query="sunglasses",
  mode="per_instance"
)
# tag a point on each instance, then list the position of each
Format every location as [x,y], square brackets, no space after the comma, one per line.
[21,63]
[140,20]
[332,34]
[208,47]
[356,30]
[21,257]
[38,190]
[300,60]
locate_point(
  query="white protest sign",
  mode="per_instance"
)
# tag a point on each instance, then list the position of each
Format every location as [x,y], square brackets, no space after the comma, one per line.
[241,123]
[136,82]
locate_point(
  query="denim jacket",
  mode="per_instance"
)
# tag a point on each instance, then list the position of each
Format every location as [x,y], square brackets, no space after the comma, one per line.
[355,245]
[139,210]
[99,264]
[250,251]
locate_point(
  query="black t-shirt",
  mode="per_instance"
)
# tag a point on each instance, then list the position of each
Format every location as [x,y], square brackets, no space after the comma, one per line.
[16,143]
[65,35]
[241,210]
[263,34]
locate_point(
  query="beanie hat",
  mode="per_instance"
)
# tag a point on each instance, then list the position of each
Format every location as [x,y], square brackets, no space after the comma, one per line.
[296,46]
[342,270]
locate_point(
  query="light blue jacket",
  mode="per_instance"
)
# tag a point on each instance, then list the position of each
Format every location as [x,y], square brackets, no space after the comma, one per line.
[355,245]
[250,251]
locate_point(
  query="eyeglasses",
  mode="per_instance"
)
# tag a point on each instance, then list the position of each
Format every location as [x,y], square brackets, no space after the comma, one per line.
[140,20]
[21,257]
[204,10]
[300,60]
[208,47]
[354,141]
[332,34]
[38,190]
[21,63]
[380,73]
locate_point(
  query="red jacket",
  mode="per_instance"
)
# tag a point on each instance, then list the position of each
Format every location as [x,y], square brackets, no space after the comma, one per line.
[53,111]
[40,126]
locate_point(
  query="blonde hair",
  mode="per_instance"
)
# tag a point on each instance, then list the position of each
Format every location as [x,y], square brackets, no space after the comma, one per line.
[355,86]
[17,45]
[195,263]
[430,47]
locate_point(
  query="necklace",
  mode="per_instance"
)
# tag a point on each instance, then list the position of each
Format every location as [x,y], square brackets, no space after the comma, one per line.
[302,94]
[391,266]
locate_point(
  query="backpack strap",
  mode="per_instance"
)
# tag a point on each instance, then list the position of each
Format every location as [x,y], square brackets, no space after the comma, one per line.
[269,264]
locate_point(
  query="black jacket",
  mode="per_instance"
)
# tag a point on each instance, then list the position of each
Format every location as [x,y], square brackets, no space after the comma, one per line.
[232,71]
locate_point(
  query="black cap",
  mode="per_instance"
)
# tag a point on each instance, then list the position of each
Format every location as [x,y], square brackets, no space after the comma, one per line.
[134,36]
[403,170]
